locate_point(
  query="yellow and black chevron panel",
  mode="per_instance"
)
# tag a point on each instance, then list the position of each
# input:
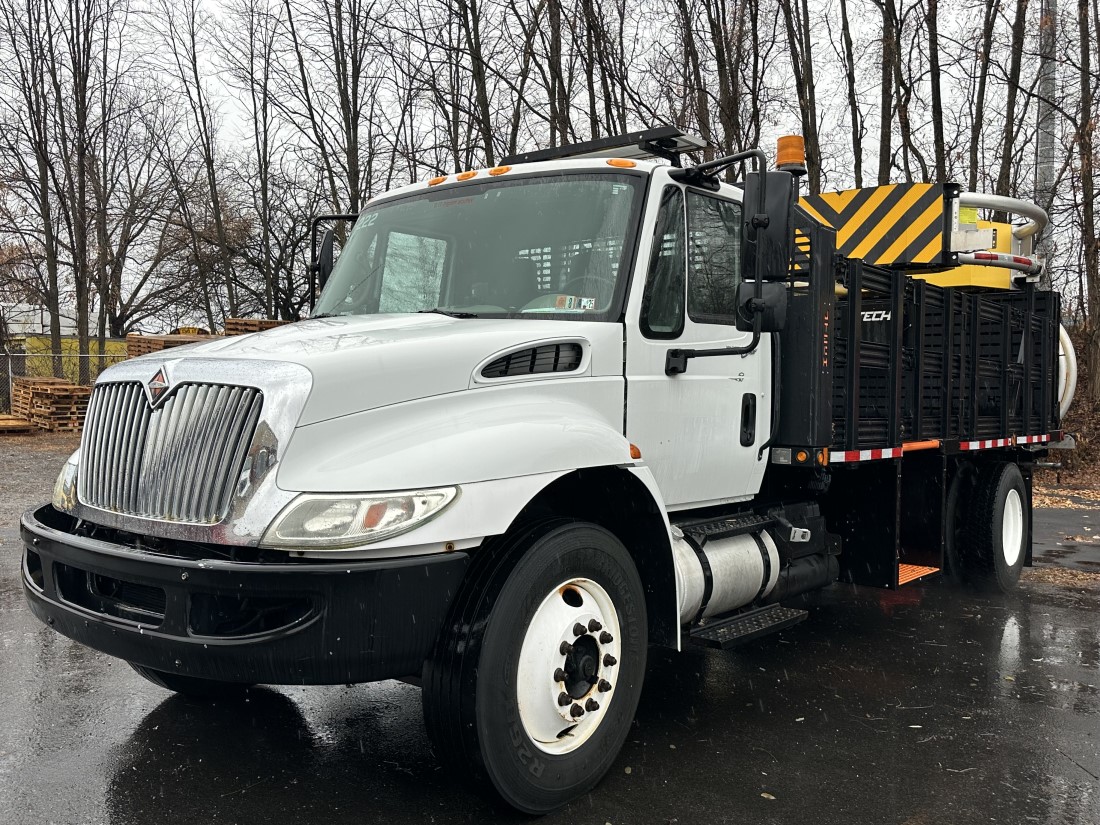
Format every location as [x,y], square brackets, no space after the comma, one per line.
[897,225]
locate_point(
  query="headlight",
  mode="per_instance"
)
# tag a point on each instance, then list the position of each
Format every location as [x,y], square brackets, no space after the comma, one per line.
[64,489]
[341,522]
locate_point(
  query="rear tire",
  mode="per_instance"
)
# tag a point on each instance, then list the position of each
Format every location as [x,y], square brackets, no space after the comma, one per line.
[996,544]
[504,700]
[192,686]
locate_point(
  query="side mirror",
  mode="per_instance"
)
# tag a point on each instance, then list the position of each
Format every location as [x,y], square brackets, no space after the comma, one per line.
[323,265]
[768,233]
[772,306]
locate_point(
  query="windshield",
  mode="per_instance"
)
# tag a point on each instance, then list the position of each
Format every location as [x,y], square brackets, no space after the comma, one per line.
[521,247]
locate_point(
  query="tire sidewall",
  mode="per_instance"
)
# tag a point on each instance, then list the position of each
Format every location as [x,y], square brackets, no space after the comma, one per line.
[527,777]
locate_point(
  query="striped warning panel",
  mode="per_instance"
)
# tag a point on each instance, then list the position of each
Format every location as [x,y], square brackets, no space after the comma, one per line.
[900,224]
[848,456]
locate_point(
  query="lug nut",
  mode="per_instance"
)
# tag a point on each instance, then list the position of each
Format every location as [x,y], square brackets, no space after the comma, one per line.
[559,675]
[606,638]
[604,686]
[609,660]
[591,705]
[564,699]
[565,648]
[576,711]
[593,625]
[578,629]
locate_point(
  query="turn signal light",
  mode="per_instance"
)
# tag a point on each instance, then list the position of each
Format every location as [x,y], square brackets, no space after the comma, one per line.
[635,453]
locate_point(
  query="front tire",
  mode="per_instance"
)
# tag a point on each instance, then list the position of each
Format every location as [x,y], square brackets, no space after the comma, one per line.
[534,682]
[997,534]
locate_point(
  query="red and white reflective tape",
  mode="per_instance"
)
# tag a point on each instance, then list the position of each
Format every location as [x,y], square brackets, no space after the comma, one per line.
[1032,439]
[1003,442]
[987,444]
[846,456]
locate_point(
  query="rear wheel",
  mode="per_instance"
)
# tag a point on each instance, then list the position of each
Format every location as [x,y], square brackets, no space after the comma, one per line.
[995,547]
[534,682]
[192,686]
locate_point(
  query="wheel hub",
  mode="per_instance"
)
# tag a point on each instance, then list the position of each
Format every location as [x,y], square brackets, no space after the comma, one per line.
[568,665]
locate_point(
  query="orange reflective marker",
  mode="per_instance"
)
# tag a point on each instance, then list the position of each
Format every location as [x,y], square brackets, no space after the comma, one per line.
[437,181]
[465,175]
[635,453]
[621,163]
[499,170]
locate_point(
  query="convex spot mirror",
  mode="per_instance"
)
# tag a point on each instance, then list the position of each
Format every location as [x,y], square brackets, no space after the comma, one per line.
[768,234]
[772,306]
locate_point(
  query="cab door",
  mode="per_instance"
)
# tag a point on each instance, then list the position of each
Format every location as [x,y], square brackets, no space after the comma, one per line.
[701,432]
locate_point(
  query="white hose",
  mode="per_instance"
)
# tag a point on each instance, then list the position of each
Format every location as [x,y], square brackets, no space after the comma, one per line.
[1067,372]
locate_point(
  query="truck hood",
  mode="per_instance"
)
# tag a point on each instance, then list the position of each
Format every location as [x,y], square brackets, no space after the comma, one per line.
[366,362]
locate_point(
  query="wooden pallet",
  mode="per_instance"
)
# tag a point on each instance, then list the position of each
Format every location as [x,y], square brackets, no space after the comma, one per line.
[243,326]
[144,344]
[14,425]
[51,404]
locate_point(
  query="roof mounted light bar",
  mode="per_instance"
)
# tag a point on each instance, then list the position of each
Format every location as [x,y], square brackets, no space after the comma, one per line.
[664,142]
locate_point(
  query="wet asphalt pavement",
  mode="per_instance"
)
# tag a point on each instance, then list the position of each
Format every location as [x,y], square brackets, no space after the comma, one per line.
[927,705]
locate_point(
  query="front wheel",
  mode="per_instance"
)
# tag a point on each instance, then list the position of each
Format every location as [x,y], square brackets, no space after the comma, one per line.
[535,680]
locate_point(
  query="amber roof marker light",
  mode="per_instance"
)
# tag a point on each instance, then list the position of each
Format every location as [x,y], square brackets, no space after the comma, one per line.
[790,155]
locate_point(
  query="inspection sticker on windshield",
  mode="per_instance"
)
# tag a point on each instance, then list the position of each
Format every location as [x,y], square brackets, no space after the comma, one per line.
[574,302]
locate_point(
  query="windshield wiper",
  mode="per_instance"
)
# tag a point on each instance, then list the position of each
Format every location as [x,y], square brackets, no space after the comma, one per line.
[450,312]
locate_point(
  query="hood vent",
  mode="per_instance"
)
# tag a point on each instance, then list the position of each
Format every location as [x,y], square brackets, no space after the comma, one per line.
[535,360]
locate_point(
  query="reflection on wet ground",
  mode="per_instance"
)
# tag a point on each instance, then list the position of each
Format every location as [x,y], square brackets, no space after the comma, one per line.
[926,705]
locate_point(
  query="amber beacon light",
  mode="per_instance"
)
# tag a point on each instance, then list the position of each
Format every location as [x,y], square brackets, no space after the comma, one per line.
[791,154]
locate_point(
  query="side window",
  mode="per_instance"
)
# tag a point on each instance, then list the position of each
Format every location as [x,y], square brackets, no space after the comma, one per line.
[663,299]
[714,258]
[412,272]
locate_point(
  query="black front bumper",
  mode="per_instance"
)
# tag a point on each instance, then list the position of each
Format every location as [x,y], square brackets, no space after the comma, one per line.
[252,622]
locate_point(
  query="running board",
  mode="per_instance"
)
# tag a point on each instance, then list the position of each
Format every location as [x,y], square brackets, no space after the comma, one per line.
[722,528]
[745,627]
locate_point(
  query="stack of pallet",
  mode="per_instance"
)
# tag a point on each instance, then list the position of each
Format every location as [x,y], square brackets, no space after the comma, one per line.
[49,403]
[14,425]
[243,326]
[143,344]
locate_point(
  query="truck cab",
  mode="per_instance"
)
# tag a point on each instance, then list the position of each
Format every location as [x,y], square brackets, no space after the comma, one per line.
[543,416]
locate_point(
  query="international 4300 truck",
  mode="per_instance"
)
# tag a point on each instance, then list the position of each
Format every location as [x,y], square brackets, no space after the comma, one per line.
[548,414]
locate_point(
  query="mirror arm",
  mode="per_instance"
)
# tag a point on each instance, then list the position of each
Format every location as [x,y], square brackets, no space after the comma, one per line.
[676,359]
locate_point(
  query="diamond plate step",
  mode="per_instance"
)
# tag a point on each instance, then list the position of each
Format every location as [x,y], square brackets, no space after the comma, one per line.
[744,627]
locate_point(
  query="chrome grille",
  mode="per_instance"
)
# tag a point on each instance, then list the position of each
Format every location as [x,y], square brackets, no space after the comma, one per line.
[178,462]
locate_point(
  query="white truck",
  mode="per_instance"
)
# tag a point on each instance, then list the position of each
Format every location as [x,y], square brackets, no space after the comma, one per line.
[544,416]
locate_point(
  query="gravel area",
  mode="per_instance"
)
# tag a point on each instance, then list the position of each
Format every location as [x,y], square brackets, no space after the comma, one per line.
[30,466]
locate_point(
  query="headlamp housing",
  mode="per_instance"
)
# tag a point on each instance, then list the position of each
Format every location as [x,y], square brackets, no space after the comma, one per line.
[344,522]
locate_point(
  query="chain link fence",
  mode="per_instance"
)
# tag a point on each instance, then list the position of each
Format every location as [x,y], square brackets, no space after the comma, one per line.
[76,369]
